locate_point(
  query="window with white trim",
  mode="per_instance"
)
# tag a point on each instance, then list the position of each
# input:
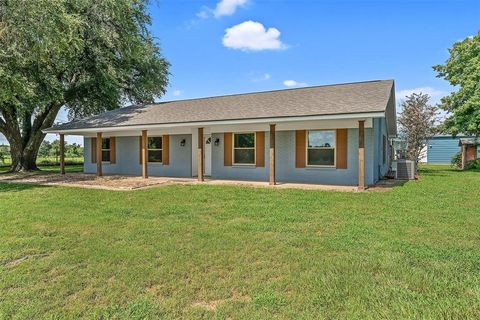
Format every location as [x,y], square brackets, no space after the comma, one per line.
[106,150]
[154,146]
[321,148]
[244,148]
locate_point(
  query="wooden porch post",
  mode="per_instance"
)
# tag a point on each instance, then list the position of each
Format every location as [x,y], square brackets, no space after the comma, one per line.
[62,154]
[272,179]
[464,156]
[99,154]
[361,154]
[200,152]
[144,154]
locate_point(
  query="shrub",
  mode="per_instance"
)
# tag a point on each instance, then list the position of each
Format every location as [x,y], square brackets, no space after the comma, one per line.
[457,160]
[473,164]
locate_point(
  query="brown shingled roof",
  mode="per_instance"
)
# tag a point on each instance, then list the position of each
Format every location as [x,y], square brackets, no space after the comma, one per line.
[360,97]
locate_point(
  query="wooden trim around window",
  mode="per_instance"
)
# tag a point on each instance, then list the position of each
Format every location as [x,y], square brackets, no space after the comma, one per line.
[165,150]
[260,149]
[227,149]
[113,150]
[93,148]
[300,148]
[342,148]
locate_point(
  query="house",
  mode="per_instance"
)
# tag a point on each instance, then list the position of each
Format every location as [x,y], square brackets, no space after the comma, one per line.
[440,149]
[332,134]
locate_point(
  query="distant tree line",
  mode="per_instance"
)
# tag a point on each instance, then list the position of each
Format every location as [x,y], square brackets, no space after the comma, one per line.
[48,150]
[4,152]
[52,149]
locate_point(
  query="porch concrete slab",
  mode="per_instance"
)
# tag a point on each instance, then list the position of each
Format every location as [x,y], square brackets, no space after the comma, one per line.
[122,182]
[282,185]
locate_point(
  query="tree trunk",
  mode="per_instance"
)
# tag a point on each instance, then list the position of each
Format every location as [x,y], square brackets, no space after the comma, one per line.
[24,145]
[23,160]
[24,156]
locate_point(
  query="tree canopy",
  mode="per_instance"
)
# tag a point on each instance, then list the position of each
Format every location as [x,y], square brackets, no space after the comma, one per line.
[417,121]
[88,56]
[462,70]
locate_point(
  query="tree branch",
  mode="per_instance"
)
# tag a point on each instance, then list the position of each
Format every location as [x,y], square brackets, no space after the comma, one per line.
[49,111]
[3,125]
[10,120]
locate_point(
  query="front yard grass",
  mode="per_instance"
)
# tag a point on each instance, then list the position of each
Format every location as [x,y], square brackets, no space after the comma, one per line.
[231,252]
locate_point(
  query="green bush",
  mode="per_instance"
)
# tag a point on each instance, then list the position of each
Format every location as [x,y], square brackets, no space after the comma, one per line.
[457,160]
[470,165]
[473,164]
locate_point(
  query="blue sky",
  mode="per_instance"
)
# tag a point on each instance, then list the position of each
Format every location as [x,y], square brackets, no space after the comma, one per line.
[221,47]
[319,42]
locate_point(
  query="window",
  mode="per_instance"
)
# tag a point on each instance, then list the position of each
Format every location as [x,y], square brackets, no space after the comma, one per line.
[106,150]
[244,148]
[384,149]
[154,146]
[321,148]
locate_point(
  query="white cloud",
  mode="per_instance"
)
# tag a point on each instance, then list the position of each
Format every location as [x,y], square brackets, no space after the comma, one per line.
[266,76]
[177,93]
[433,93]
[223,8]
[252,36]
[228,7]
[203,14]
[293,83]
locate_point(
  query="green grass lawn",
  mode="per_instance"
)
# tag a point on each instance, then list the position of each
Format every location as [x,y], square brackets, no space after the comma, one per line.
[226,252]
[51,168]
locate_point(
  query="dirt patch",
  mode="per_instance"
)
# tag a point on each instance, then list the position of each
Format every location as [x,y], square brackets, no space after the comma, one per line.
[210,305]
[213,304]
[113,182]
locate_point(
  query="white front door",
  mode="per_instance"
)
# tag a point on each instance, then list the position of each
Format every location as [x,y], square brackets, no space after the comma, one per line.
[207,140]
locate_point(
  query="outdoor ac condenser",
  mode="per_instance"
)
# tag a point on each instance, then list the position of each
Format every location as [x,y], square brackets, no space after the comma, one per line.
[405,170]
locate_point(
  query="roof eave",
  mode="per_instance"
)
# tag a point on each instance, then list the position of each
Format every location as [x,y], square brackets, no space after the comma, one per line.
[361,115]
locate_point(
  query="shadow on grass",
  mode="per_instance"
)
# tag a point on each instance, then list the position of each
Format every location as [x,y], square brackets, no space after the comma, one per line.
[16,187]
[388,184]
[440,171]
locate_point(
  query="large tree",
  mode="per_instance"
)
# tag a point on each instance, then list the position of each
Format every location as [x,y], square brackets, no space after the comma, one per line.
[417,121]
[88,56]
[462,70]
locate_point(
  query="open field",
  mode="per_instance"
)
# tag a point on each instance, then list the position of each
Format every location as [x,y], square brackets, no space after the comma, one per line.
[226,252]
[45,161]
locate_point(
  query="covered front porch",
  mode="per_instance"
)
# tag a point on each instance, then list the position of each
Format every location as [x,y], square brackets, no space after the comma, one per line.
[281,152]
[130,183]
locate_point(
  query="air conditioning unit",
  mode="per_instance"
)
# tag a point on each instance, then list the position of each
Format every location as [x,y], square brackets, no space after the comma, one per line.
[405,170]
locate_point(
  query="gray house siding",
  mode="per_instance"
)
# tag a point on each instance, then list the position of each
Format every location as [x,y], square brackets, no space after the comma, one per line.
[285,164]
[380,131]
[286,171]
[128,162]
[219,171]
